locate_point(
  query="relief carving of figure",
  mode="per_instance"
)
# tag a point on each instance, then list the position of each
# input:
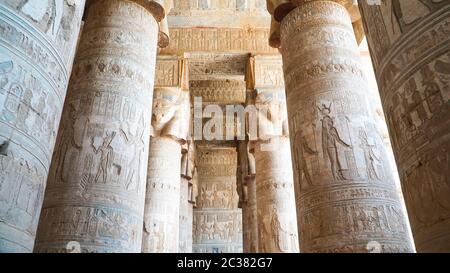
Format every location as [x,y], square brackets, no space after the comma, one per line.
[106,157]
[301,147]
[330,141]
[24,110]
[39,12]
[369,156]
[134,167]
[432,91]
[156,238]
[420,192]
[277,230]
[263,233]
[438,167]
[67,142]
[417,101]
[67,20]
[404,15]
[5,68]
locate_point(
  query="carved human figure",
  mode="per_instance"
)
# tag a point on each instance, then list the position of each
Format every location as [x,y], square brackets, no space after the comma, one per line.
[432,91]
[442,182]
[106,157]
[369,156]
[398,6]
[277,230]
[330,141]
[67,141]
[5,68]
[41,12]
[301,148]
[321,63]
[420,71]
[137,141]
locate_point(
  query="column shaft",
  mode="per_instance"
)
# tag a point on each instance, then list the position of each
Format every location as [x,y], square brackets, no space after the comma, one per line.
[346,192]
[37,43]
[276,212]
[410,48]
[162,207]
[185,237]
[249,217]
[247,195]
[96,187]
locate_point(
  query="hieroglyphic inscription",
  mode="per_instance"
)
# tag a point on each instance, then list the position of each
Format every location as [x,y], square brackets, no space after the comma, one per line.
[218,40]
[412,68]
[102,152]
[37,43]
[217,220]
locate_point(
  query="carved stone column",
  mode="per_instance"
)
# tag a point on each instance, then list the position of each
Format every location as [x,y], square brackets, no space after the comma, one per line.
[346,198]
[276,212]
[37,44]
[170,123]
[275,198]
[186,199]
[247,201]
[161,221]
[409,44]
[96,187]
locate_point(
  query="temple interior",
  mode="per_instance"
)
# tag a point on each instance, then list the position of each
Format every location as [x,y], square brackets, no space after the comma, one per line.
[224,126]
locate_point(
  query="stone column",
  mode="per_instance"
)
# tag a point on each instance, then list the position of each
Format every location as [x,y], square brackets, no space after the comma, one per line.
[275,198]
[409,44]
[346,198]
[170,123]
[37,44]
[96,187]
[186,204]
[246,179]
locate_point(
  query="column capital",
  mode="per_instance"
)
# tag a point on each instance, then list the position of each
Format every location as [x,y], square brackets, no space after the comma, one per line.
[264,75]
[274,34]
[279,9]
[170,113]
[163,35]
[171,108]
[158,8]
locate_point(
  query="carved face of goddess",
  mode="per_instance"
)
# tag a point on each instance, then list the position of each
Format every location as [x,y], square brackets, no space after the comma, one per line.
[163,111]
